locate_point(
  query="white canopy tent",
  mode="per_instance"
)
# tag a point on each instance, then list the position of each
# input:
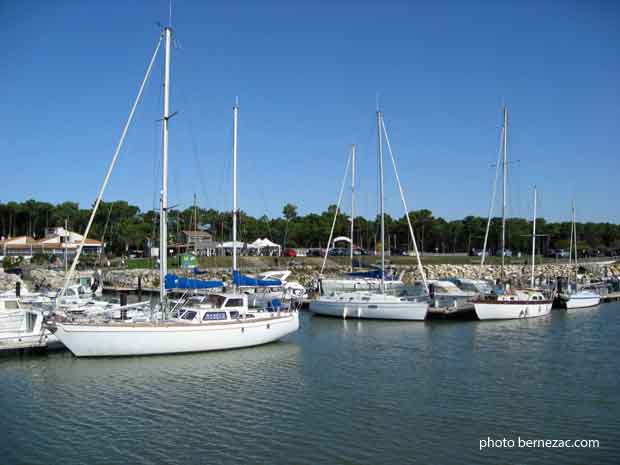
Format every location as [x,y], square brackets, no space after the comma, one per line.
[238,245]
[341,239]
[266,245]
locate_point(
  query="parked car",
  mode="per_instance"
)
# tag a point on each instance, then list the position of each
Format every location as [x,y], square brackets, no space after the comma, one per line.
[289,253]
[478,253]
[399,252]
[338,252]
[557,253]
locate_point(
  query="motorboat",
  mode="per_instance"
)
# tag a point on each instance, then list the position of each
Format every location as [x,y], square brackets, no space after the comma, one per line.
[23,327]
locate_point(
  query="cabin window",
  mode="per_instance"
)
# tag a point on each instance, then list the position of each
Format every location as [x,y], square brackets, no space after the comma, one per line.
[216,300]
[212,316]
[234,314]
[189,315]
[234,303]
[31,319]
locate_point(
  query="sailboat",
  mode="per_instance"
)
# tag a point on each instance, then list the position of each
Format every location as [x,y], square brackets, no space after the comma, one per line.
[577,298]
[224,324]
[513,303]
[376,304]
[353,280]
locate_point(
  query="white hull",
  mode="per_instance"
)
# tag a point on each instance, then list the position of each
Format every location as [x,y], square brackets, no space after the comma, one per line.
[111,340]
[389,309]
[331,285]
[511,311]
[24,329]
[581,300]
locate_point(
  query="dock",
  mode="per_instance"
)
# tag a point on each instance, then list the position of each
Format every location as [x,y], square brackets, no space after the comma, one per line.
[611,297]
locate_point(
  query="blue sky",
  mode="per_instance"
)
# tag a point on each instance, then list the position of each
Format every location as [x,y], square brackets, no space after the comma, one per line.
[307,75]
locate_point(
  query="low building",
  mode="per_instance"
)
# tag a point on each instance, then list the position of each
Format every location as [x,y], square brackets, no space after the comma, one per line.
[200,242]
[55,242]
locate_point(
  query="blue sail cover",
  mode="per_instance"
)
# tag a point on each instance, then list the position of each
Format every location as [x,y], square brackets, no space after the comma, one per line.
[178,282]
[241,280]
[199,271]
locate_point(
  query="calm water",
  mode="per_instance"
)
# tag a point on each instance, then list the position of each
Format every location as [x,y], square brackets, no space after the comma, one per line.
[335,393]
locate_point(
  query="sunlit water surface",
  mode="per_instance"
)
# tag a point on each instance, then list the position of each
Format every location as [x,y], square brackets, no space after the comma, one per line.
[336,392]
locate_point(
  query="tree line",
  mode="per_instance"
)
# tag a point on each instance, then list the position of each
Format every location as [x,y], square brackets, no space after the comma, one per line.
[124,227]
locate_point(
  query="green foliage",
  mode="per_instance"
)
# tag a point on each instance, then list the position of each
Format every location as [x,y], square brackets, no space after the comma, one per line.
[41,260]
[8,262]
[122,227]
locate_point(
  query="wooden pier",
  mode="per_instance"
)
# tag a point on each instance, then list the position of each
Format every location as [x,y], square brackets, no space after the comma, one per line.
[611,297]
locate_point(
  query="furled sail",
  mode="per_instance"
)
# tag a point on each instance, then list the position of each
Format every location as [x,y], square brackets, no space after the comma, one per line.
[241,280]
[179,282]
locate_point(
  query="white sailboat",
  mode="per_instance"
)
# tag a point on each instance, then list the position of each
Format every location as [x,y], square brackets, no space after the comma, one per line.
[353,281]
[229,326]
[513,303]
[377,304]
[577,298]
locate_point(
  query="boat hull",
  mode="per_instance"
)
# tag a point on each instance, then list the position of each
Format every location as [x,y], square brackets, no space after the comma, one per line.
[331,285]
[116,340]
[582,301]
[415,311]
[512,310]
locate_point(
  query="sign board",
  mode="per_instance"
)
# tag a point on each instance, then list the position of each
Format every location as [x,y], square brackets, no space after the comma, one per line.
[188,261]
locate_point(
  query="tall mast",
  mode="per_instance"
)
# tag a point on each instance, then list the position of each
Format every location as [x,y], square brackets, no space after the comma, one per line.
[382,208]
[352,200]
[195,226]
[163,222]
[504,175]
[235,119]
[575,242]
[533,240]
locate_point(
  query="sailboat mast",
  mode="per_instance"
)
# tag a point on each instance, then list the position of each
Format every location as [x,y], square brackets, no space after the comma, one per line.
[235,122]
[381,194]
[533,239]
[163,214]
[352,200]
[575,242]
[504,176]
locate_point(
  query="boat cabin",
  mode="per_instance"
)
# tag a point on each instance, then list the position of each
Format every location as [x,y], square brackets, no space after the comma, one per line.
[522,296]
[214,307]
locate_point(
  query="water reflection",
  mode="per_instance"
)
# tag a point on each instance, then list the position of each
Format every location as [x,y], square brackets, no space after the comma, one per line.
[354,391]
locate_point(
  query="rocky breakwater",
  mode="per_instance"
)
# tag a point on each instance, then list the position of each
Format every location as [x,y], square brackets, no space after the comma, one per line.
[46,279]
[8,281]
[545,272]
[305,274]
[132,279]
